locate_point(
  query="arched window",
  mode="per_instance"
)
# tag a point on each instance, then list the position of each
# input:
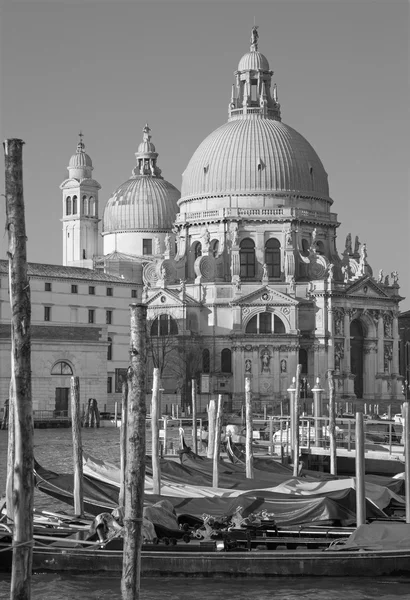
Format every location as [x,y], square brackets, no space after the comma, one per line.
[164,325]
[85,205]
[226,361]
[68,205]
[197,250]
[206,361]
[247,259]
[109,349]
[91,206]
[74,205]
[320,248]
[62,368]
[265,322]
[272,257]
[303,360]
[305,247]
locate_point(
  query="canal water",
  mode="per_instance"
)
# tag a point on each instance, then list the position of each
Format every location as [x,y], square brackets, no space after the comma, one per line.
[53,449]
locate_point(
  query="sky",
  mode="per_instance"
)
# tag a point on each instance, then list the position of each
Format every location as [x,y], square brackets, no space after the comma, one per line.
[108,67]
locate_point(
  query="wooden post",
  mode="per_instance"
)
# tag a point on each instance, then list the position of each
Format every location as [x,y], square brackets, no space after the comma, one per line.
[194,428]
[156,469]
[96,414]
[211,428]
[296,444]
[115,414]
[135,473]
[360,472]
[123,440]
[332,425]
[249,429]
[406,435]
[217,444]
[10,456]
[20,306]
[77,447]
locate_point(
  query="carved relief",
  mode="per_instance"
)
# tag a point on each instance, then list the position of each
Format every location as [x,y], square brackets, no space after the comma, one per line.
[248,365]
[339,322]
[388,356]
[265,361]
[339,354]
[388,325]
[150,275]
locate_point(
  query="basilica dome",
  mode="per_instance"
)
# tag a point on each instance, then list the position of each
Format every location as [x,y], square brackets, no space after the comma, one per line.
[145,202]
[254,153]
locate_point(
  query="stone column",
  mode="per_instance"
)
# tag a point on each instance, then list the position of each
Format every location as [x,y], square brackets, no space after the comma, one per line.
[238,364]
[346,329]
[369,370]
[396,340]
[380,345]
[275,369]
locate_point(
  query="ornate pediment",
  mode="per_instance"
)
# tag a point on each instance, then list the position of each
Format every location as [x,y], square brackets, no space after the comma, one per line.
[264,296]
[166,298]
[366,288]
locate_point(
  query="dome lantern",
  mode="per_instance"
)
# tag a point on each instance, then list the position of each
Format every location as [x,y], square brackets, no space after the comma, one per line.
[251,94]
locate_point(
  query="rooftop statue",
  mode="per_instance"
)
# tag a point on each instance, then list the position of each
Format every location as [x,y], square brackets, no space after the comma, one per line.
[254,38]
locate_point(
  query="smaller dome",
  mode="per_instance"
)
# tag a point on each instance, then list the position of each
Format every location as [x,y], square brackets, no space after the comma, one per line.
[253,61]
[80,159]
[146,147]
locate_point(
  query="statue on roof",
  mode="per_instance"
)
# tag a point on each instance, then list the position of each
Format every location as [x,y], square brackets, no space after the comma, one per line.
[254,38]
[380,277]
[348,243]
[395,277]
[356,245]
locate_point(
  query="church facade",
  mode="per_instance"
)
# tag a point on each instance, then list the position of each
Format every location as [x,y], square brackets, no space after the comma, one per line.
[239,271]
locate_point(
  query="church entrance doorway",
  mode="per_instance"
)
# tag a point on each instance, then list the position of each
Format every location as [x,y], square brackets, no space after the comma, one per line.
[62,396]
[356,356]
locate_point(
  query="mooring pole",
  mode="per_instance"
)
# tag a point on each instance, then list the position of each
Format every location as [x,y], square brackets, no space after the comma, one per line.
[135,473]
[360,471]
[156,468]
[406,435]
[332,425]
[10,455]
[296,443]
[217,444]
[194,427]
[19,286]
[249,429]
[211,428]
[77,447]
[123,440]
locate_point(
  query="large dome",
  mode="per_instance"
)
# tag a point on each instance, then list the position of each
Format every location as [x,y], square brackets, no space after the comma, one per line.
[145,202]
[141,203]
[254,155]
[253,61]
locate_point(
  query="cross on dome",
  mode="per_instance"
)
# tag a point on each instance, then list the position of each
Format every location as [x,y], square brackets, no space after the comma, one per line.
[80,145]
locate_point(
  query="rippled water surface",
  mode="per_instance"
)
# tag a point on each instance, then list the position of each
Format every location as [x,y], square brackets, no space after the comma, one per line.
[53,450]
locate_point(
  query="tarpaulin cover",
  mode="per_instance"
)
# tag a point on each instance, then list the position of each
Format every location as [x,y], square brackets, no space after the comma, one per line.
[378,536]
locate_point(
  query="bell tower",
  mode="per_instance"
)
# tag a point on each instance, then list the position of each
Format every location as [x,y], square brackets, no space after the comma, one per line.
[81,240]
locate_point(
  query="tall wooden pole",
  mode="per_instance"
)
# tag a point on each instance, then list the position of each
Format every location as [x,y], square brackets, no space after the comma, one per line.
[296,408]
[77,447]
[194,427]
[135,473]
[217,445]
[10,455]
[249,429]
[155,414]
[211,428]
[360,472]
[123,440]
[21,372]
[332,424]
[406,432]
